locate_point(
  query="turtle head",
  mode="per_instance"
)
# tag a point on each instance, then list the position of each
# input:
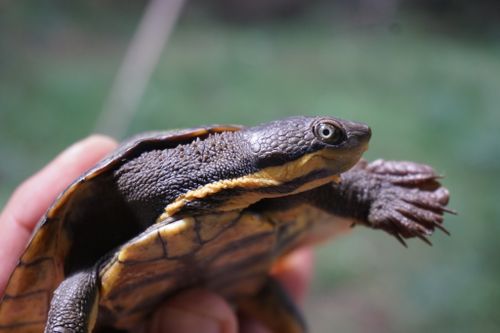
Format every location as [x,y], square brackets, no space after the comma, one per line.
[312,147]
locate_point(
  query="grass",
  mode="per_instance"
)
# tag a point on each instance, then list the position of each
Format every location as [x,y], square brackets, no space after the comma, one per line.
[427,97]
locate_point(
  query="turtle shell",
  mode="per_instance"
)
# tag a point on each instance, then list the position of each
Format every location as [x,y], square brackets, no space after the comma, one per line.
[229,253]
[59,244]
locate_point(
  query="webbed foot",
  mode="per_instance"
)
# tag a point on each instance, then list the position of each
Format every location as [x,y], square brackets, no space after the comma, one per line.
[408,199]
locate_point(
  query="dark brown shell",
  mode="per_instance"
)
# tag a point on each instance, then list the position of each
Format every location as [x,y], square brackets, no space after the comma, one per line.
[40,270]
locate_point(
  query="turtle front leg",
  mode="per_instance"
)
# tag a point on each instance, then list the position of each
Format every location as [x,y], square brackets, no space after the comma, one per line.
[73,308]
[274,308]
[405,199]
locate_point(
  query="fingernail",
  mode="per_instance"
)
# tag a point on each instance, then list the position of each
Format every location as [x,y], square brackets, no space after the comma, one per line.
[180,321]
[248,325]
[195,311]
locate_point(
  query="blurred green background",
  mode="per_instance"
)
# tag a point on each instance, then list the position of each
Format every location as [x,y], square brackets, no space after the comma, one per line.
[426,78]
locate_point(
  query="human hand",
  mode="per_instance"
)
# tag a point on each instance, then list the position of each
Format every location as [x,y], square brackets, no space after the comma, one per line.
[31,199]
[188,312]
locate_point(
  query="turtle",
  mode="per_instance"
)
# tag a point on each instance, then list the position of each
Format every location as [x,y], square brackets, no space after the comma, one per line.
[213,207]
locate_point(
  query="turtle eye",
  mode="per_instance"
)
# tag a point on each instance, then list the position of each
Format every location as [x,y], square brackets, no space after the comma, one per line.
[329,133]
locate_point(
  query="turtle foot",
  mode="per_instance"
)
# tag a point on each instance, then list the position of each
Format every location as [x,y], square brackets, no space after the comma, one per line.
[410,201]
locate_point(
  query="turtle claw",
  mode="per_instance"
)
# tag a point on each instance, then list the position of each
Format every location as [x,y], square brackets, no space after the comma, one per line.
[399,239]
[449,211]
[409,200]
[443,229]
[424,239]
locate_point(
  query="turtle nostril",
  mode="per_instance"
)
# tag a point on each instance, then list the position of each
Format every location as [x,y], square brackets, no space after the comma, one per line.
[362,132]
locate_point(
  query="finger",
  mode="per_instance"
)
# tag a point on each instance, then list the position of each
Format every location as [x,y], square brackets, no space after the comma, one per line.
[32,198]
[250,325]
[46,184]
[195,310]
[294,272]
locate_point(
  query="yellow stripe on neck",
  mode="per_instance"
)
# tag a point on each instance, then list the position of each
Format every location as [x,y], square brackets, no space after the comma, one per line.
[268,177]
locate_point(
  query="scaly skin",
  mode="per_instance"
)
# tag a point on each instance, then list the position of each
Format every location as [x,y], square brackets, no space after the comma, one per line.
[405,199]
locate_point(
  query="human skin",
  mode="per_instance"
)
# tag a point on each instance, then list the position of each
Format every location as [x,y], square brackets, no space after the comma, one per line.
[192,311]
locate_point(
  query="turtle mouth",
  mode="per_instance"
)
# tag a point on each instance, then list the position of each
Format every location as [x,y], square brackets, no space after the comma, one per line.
[339,161]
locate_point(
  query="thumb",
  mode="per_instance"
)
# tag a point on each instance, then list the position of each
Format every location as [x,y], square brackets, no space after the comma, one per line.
[194,311]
